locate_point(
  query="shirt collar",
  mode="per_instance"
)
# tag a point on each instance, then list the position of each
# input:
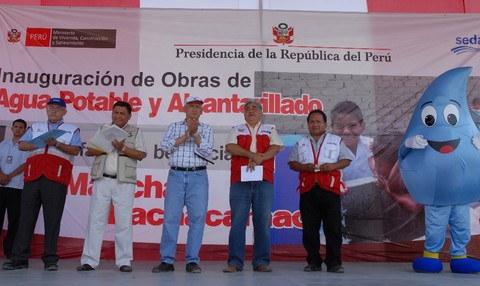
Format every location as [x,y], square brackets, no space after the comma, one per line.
[319,139]
[55,125]
[184,122]
[255,127]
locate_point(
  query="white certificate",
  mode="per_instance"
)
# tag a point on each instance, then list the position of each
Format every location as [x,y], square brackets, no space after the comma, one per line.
[251,175]
[103,140]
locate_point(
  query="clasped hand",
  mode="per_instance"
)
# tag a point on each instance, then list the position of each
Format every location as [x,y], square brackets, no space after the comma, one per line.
[4,179]
[52,141]
[192,126]
[118,144]
[255,160]
[324,167]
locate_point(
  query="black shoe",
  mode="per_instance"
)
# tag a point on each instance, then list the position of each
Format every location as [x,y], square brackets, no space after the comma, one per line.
[193,267]
[312,268]
[85,267]
[163,267]
[336,269]
[14,265]
[51,267]
[125,268]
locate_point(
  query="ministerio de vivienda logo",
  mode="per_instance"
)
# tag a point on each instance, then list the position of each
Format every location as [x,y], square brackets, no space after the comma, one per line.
[467,45]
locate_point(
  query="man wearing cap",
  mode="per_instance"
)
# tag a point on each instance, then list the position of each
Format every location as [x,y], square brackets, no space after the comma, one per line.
[189,143]
[48,171]
[114,176]
[252,145]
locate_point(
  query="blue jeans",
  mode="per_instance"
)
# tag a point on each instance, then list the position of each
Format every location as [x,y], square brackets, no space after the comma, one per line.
[188,189]
[244,195]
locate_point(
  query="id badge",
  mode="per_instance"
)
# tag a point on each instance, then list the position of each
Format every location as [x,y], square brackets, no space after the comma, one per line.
[9,160]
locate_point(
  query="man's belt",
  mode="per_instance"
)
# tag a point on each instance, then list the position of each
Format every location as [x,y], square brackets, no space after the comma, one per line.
[110,176]
[188,169]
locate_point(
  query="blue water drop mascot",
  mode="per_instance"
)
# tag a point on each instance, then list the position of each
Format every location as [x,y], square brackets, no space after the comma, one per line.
[439,162]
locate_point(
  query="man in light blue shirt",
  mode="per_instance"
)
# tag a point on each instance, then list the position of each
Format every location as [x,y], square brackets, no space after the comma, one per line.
[12,163]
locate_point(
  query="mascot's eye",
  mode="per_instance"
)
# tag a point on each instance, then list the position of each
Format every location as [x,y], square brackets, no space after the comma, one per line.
[429,115]
[451,114]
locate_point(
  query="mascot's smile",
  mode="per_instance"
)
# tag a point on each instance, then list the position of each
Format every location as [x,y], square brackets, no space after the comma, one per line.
[444,147]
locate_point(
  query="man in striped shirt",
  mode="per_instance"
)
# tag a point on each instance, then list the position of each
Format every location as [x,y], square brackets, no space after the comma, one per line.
[189,142]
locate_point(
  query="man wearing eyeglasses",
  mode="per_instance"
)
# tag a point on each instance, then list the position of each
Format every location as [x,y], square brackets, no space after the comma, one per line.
[48,171]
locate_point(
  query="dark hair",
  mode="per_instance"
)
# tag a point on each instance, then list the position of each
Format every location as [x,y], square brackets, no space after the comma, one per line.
[123,104]
[346,107]
[21,121]
[317,111]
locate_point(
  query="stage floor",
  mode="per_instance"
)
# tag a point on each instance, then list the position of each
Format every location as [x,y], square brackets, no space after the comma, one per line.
[284,273]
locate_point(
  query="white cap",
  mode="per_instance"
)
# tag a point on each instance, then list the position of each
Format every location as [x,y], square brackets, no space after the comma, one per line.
[194,99]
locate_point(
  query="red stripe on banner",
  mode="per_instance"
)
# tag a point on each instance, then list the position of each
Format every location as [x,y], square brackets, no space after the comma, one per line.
[93,3]
[21,2]
[472,6]
[417,6]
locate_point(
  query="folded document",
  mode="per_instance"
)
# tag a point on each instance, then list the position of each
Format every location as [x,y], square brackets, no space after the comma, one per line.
[103,140]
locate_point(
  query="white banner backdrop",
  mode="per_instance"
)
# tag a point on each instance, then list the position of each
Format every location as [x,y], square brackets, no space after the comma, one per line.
[292,61]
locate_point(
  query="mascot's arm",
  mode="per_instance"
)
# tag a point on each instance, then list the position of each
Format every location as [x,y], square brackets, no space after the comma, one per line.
[476,141]
[414,142]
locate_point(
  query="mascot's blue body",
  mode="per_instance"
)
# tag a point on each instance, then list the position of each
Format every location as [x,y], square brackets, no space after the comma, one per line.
[439,162]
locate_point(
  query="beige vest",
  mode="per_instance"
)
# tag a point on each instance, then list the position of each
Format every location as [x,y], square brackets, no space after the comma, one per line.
[127,167]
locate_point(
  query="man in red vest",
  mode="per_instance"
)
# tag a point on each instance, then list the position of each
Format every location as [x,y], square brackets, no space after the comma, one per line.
[52,146]
[253,146]
[318,157]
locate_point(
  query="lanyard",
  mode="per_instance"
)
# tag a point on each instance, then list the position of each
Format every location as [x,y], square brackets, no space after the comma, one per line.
[48,125]
[248,128]
[315,154]
[256,133]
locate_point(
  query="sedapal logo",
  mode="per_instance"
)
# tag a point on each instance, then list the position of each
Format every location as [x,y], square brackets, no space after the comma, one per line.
[14,35]
[283,34]
[467,45]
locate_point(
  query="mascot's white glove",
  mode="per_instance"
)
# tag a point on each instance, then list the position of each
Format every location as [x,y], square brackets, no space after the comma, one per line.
[416,142]
[476,141]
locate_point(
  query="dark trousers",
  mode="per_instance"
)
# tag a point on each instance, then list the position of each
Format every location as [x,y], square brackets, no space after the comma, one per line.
[10,199]
[317,206]
[51,196]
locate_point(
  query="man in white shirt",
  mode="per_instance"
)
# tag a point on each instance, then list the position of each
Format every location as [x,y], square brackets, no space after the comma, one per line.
[12,163]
